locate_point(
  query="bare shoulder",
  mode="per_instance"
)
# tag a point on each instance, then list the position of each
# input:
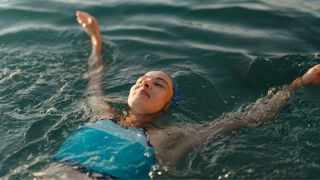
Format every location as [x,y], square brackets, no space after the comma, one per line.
[166,134]
[171,142]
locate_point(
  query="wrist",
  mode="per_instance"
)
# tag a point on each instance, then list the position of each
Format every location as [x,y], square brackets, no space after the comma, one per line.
[301,81]
[297,83]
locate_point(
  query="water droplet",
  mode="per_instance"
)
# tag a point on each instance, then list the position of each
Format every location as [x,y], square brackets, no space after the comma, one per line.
[147,154]
[155,167]
[30,157]
[95,158]
[51,110]
[166,168]
[151,175]
[250,170]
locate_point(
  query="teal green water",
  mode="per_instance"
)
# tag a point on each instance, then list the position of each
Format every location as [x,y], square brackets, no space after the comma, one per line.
[206,45]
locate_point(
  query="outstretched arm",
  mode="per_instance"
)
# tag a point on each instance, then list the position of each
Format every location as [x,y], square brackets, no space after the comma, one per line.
[264,109]
[172,142]
[95,92]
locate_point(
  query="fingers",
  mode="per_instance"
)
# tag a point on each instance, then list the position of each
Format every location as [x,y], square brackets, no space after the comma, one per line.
[317,67]
[313,75]
[83,18]
[317,71]
[82,14]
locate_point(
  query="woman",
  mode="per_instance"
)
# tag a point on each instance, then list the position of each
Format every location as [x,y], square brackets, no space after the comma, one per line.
[128,145]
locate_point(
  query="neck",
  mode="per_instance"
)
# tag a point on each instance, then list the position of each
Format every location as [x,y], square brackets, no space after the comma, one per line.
[138,120]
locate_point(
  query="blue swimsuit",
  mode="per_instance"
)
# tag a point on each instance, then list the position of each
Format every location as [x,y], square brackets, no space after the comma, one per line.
[109,149]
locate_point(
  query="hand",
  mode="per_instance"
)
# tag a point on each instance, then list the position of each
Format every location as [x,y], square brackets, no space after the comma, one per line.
[312,76]
[89,23]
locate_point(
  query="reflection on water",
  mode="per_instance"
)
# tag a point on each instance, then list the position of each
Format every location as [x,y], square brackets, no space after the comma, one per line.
[224,54]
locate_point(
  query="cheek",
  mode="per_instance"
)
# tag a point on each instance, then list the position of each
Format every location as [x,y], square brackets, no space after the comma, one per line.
[132,89]
[131,93]
[163,97]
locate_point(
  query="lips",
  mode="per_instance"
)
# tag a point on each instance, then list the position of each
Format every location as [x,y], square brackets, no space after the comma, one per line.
[143,92]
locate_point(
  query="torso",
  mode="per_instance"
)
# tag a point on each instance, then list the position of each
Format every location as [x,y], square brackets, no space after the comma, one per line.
[109,148]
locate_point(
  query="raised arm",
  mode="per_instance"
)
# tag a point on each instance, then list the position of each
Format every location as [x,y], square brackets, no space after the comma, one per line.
[95,91]
[172,142]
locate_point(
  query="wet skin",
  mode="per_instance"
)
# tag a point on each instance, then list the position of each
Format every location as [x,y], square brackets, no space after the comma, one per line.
[150,93]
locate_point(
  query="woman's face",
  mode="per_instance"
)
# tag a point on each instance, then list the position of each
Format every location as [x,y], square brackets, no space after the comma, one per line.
[151,92]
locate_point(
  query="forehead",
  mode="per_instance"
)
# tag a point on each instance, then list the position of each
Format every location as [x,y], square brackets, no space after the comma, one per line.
[159,74]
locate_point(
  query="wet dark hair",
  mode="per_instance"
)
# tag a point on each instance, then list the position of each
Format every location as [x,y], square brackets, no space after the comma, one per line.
[176,96]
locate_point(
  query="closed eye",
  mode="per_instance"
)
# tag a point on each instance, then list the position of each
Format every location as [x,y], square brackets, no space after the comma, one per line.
[139,81]
[159,85]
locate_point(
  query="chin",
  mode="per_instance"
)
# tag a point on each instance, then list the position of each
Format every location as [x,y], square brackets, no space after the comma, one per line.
[137,107]
[140,109]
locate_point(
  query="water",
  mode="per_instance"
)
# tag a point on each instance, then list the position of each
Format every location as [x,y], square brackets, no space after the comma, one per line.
[206,45]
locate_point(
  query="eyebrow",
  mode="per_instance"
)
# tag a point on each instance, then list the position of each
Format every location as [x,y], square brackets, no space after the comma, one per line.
[159,78]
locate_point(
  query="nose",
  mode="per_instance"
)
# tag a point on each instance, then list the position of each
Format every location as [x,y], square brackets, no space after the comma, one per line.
[146,83]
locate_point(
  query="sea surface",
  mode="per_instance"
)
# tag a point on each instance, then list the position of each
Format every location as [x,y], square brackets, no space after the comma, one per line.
[225,54]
